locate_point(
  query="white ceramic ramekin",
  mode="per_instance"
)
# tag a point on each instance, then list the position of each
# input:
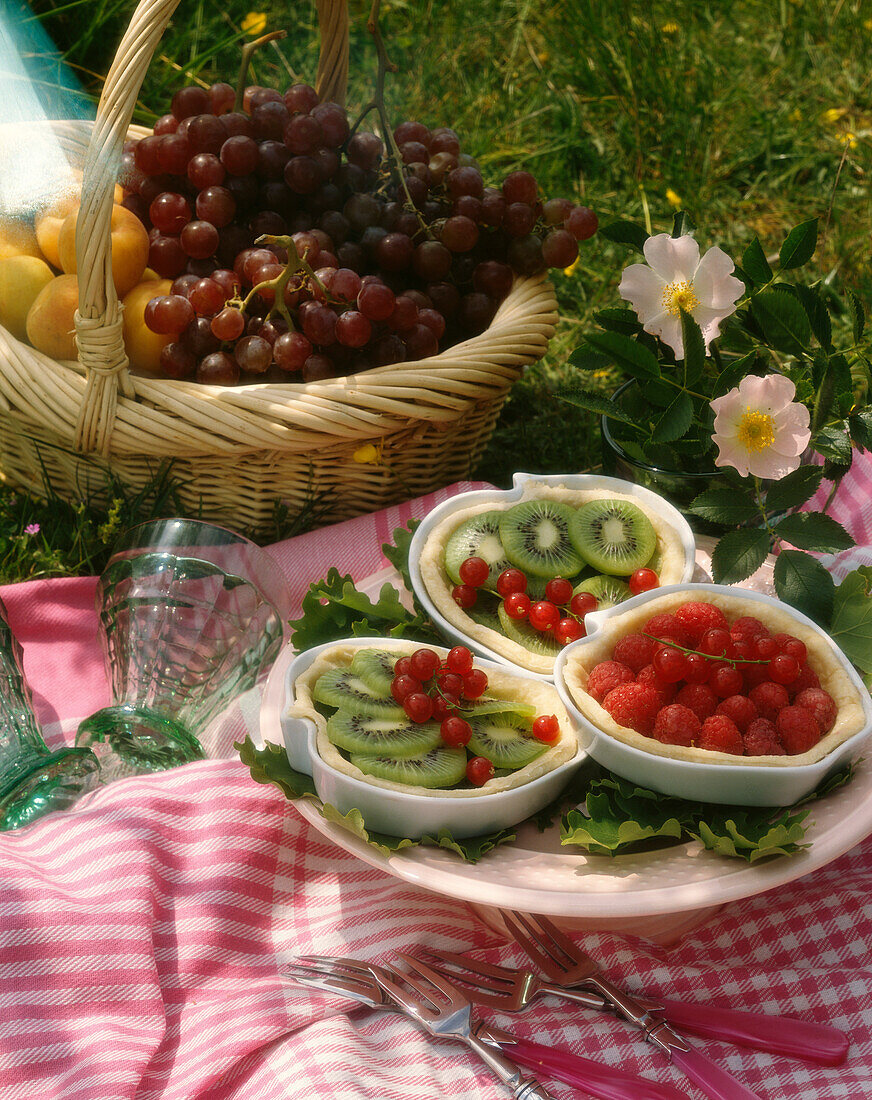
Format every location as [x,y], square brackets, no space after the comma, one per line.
[731,784]
[523,486]
[412,815]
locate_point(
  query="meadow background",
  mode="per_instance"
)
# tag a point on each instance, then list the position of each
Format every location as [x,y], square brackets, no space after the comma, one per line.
[752,116]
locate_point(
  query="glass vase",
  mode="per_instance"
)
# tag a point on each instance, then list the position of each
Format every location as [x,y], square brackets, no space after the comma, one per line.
[191,615]
[34,780]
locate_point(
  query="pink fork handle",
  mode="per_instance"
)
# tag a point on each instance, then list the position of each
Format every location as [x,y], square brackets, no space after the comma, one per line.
[715,1082]
[594,1078]
[777,1034]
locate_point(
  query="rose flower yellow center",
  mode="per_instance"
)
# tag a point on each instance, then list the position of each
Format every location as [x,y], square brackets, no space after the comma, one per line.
[755,430]
[678,296]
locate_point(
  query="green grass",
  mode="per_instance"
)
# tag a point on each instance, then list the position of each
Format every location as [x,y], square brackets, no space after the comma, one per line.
[612,104]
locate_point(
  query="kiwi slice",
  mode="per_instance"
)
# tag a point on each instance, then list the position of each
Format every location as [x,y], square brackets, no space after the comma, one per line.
[520,631]
[341,688]
[484,611]
[382,736]
[536,537]
[479,536]
[487,705]
[608,590]
[614,536]
[505,740]
[376,668]
[443,766]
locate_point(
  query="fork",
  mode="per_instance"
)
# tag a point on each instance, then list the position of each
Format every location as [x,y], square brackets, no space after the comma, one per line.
[510,990]
[357,980]
[565,964]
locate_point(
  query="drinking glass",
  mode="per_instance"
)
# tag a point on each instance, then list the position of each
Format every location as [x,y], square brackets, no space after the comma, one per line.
[33,779]
[191,615]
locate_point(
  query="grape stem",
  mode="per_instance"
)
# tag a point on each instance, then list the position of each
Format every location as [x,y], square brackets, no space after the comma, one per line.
[385,65]
[248,51]
[294,265]
[710,656]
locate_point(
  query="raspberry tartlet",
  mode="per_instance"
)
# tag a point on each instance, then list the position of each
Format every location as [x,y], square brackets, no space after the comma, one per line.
[710,692]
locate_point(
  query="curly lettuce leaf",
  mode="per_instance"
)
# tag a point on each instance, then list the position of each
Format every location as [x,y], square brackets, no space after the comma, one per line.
[750,836]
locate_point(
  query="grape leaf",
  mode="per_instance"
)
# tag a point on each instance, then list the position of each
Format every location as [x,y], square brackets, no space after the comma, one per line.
[851,624]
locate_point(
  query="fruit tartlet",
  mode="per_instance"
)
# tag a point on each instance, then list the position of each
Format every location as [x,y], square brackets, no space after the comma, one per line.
[517,577]
[418,720]
[715,678]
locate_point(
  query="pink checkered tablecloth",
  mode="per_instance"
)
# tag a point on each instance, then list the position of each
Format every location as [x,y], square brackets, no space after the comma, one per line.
[142,932]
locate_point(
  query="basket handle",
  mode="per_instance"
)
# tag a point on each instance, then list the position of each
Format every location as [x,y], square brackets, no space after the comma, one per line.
[98,318]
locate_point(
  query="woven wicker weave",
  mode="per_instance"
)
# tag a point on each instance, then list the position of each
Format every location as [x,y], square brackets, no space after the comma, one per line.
[237,450]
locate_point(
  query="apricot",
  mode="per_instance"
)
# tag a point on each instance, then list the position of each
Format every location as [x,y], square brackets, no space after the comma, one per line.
[129,247]
[49,221]
[50,322]
[21,280]
[143,346]
[17,238]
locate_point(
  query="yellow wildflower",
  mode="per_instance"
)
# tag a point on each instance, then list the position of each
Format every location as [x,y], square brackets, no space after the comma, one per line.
[795,115]
[670,28]
[833,114]
[846,137]
[571,269]
[867,23]
[543,56]
[673,198]
[254,23]
[368,454]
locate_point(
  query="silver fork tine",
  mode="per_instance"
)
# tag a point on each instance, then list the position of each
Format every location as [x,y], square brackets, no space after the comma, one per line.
[455,997]
[475,972]
[330,962]
[561,949]
[420,1009]
[544,925]
[527,939]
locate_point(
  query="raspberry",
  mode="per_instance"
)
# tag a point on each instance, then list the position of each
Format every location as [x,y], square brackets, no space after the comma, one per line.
[698,617]
[747,627]
[798,729]
[605,676]
[761,739]
[740,710]
[668,629]
[821,705]
[769,699]
[719,734]
[633,705]
[807,678]
[699,698]
[635,651]
[650,678]
[676,725]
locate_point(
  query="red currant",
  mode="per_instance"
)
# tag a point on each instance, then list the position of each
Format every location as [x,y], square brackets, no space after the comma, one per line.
[726,681]
[474,571]
[517,605]
[403,667]
[479,770]
[459,659]
[796,649]
[582,603]
[670,664]
[424,663]
[765,647]
[404,686]
[546,728]
[418,706]
[643,580]
[697,669]
[511,580]
[743,649]
[568,630]
[715,642]
[474,684]
[450,683]
[455,731]
[783,669]
[441,708]
[558,590]
[464,595]
[544,615]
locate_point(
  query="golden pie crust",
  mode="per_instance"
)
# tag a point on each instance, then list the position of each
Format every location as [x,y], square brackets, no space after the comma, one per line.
[439,585]
[850,717]
[501,685]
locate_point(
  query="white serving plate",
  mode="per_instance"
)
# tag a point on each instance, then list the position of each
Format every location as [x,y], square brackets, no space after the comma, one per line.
[657,893]
[648,501]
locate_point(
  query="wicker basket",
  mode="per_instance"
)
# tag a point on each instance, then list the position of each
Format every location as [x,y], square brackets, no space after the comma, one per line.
[237,450]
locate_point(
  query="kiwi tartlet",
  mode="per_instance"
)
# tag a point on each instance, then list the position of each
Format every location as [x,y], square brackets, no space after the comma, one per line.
[363,733]
[595,538]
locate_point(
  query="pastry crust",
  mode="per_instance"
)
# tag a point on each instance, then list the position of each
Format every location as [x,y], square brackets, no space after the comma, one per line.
[501,685]
[439,584]
[822,658]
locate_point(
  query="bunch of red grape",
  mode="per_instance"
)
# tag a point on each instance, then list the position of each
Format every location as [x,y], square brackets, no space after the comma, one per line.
[394,271]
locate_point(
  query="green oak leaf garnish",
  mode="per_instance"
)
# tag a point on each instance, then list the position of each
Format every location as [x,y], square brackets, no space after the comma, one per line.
[851,624]
[749,835]
[271,765]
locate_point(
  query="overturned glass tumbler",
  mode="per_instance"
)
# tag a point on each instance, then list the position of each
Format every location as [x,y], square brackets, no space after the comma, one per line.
[191,615]
[34,780]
